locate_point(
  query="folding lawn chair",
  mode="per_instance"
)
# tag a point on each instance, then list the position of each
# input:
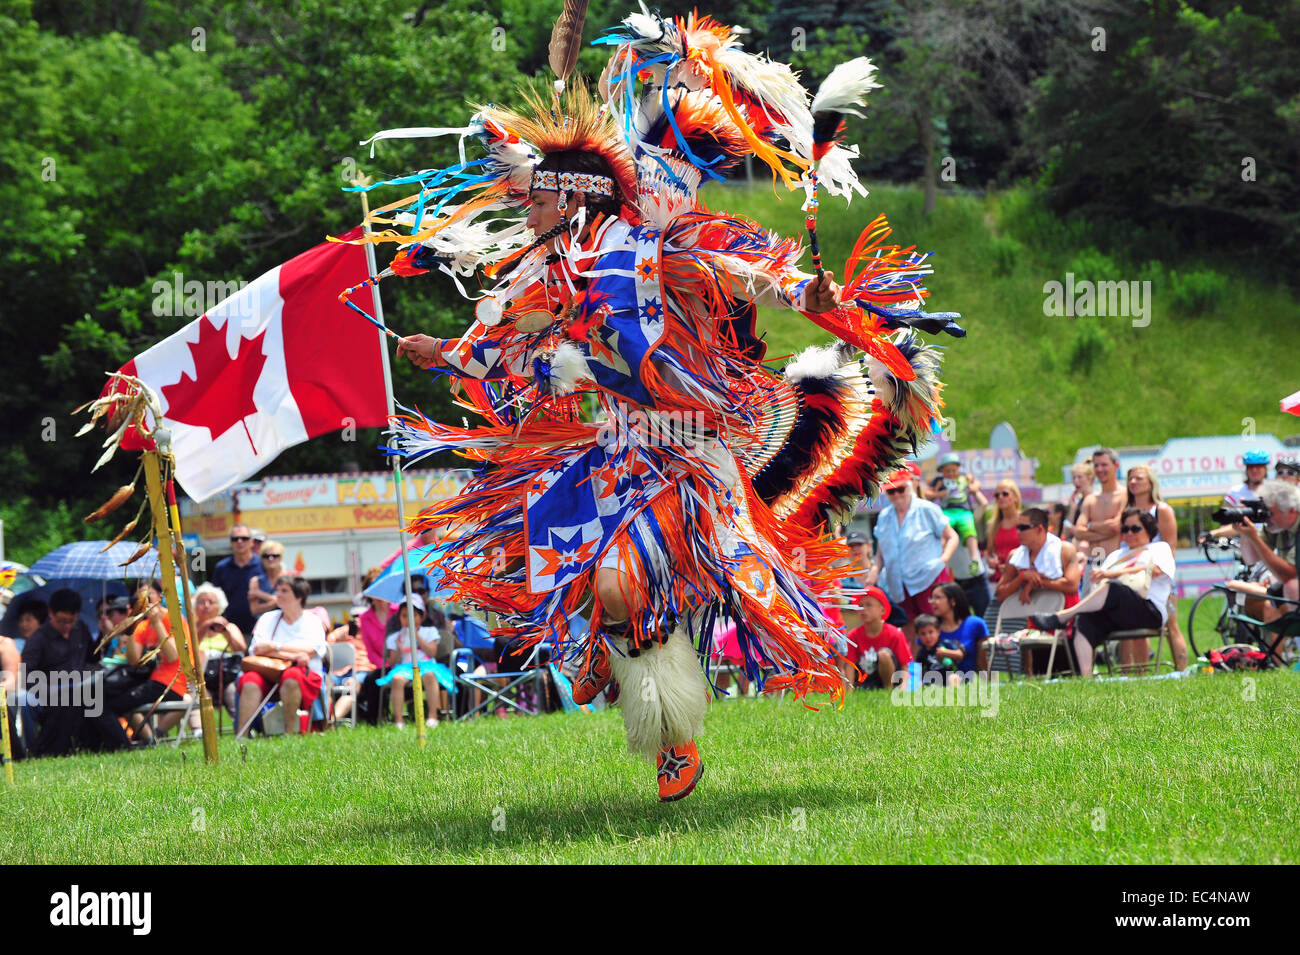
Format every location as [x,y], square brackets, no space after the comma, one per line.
[339,656]
[494,694]
[184,706]
[1013,615]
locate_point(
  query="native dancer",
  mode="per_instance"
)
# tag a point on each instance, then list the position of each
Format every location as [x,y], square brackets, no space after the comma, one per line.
[641,466]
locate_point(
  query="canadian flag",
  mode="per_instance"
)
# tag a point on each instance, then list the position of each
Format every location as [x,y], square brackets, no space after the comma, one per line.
[278,362]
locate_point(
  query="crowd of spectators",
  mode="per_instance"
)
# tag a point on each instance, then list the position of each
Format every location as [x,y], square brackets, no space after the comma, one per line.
[253,631]
[926,588]
[1108,549]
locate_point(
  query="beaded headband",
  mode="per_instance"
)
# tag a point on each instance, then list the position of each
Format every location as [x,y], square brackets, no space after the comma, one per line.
[590,183]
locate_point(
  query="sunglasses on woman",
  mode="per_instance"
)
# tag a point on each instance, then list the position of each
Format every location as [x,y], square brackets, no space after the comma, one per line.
[1001,493]
[1130,528]
[266,556]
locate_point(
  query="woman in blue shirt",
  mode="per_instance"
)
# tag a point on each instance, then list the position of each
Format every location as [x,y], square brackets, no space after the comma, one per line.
[915,545]
[957,624]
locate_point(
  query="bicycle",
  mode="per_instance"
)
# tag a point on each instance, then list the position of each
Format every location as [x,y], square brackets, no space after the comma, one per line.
[1217,618]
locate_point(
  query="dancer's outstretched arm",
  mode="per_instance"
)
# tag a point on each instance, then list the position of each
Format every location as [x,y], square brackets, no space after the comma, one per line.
[483,352]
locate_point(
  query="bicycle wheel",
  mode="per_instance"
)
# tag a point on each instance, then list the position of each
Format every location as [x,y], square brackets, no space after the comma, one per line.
[1208,624]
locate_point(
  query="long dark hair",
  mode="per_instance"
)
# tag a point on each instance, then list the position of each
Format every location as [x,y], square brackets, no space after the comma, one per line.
[957,597]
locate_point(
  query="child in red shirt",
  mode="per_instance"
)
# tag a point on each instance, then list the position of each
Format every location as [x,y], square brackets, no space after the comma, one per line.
[878,649]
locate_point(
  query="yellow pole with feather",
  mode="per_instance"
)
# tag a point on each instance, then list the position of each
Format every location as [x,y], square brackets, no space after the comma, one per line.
[6,755]
[207,717]
[167,570]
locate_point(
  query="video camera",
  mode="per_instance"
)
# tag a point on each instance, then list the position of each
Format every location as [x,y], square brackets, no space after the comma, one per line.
[1253,512]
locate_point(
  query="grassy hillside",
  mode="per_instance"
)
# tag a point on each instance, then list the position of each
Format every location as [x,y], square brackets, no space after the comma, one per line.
[1200,367]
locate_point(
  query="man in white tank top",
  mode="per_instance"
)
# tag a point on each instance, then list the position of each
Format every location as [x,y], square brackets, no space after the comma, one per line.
[1042,561]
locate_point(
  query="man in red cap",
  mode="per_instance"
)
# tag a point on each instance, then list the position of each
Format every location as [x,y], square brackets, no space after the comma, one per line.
[876,648]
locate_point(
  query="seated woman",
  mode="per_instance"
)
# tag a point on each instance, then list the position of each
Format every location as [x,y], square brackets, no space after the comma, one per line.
[401,672]
[294,636]
[1138,602]
[958,627]
[372,625]
[219,641]
[166,684]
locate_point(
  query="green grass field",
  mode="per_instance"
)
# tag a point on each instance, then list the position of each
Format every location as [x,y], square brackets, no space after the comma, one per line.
[1200,769]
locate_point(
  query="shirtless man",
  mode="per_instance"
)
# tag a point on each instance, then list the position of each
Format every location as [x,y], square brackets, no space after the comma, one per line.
[1098,524]
[1097,530]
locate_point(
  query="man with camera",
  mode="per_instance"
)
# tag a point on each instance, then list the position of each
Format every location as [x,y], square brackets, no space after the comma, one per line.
[1242,501]
[1274,551]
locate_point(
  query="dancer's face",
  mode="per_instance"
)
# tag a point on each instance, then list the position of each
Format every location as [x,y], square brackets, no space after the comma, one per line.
[544,213]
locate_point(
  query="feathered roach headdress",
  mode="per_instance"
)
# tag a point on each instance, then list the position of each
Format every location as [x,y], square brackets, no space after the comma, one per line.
[572,121]
[442,227]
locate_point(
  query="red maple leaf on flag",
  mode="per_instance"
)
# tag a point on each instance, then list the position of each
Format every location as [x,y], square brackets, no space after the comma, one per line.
[220,395]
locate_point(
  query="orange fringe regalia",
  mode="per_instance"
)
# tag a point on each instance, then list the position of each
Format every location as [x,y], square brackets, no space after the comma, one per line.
[627,419]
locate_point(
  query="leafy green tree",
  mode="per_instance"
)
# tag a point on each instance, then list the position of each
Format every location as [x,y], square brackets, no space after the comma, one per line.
[219,155]
[1188,119]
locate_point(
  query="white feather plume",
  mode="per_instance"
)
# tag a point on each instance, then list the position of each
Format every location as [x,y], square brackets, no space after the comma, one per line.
[846,87]
[568,368]
[836,173]
[820,362]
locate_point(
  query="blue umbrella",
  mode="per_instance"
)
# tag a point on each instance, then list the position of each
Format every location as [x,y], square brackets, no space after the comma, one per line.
[390,585]
[81,567]
[84,561]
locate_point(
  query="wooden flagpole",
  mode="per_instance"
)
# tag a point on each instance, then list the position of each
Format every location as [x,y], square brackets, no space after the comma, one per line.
[412,635]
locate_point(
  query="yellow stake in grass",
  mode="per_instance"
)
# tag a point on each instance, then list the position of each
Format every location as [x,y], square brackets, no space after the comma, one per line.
[6,756]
